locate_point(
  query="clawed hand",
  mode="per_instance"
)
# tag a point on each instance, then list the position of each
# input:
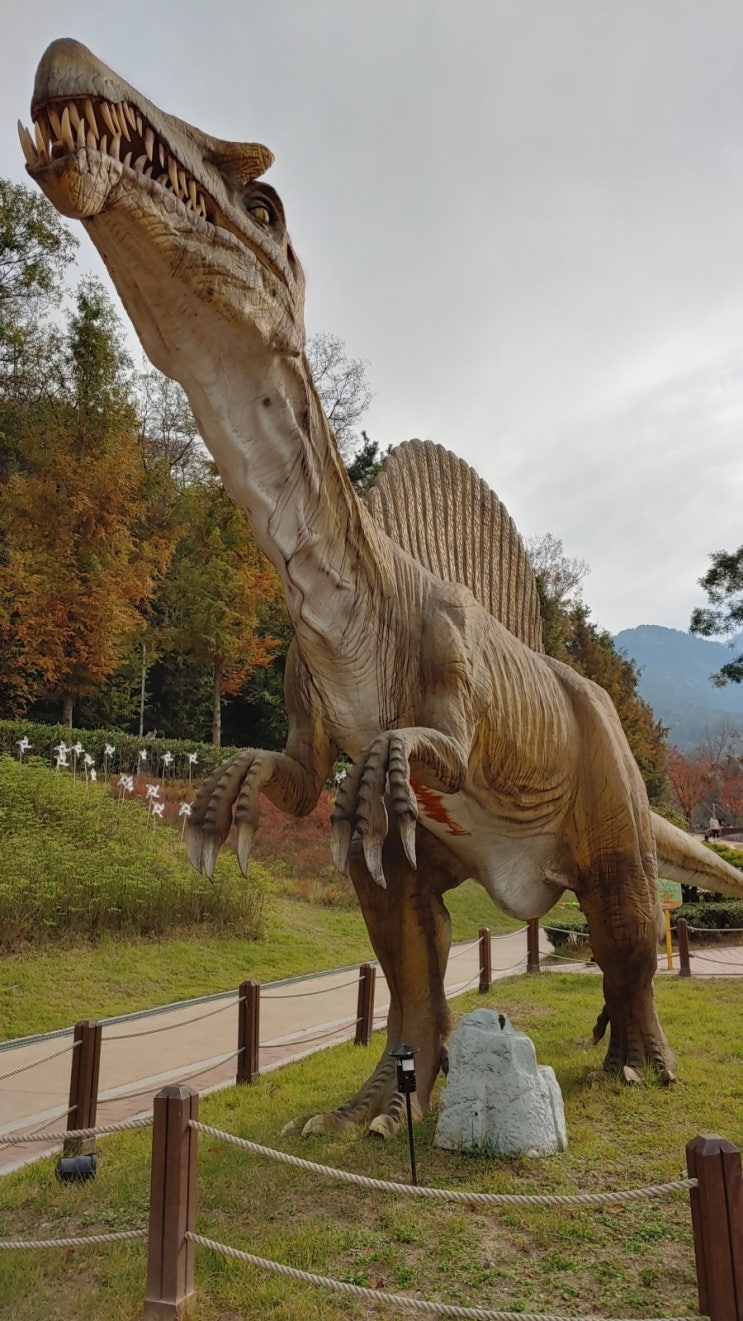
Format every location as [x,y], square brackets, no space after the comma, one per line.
[360,806]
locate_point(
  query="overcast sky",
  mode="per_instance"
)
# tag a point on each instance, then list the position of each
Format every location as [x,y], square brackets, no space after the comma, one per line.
[525,215]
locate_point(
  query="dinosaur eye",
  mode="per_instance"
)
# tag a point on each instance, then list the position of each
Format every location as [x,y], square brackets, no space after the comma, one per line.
[261,214]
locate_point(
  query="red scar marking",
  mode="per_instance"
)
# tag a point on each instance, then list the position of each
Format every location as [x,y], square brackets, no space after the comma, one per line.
[433,806]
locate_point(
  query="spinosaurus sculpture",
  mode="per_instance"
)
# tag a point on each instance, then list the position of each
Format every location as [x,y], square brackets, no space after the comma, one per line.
[417,637]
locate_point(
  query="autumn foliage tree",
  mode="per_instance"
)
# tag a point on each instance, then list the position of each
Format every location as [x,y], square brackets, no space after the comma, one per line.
[81,559]
[690,777]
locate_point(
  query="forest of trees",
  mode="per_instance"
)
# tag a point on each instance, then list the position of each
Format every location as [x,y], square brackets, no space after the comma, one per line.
[132,594]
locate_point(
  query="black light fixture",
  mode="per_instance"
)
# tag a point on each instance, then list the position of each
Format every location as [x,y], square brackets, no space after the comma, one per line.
[405,1059]
[74,1169]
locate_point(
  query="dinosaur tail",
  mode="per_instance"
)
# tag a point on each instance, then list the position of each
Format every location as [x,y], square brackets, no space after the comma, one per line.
[683,858]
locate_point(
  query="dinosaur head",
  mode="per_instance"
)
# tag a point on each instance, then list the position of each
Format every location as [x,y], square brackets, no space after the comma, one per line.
[192,238]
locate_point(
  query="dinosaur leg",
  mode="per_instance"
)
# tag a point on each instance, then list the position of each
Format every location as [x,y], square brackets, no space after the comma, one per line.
[410,932]
[624,942]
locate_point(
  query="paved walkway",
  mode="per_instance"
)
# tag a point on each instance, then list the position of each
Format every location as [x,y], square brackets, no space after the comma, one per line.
[196,1041]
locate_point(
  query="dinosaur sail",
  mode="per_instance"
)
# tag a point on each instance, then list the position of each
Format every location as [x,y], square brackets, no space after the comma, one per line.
[437,508]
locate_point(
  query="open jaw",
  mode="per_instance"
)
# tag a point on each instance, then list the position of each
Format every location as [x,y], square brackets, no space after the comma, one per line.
[117,131]
[98,144]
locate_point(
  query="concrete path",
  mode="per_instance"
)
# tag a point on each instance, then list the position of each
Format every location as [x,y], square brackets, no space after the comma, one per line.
[196,1041]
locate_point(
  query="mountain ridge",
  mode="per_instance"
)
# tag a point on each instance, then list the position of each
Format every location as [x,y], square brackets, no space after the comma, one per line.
[675,670]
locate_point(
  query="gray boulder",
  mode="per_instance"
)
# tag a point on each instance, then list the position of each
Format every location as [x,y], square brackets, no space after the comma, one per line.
[497,1100]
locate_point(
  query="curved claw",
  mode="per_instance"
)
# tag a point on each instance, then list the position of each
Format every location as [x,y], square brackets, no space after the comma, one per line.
[244,846]
[202,849]
[630,1076]
[194,846]
[325,1124]
[341,835]
[372,847]
[209,854]
[406,826]
[383,1126]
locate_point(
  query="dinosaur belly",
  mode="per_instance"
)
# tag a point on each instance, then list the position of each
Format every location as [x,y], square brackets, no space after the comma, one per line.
[513,859]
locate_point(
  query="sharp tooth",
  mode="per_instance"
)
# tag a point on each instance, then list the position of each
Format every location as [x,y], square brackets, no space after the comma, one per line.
[182,185]
[147,171]
[123,122]
[66,131]
[149,143]
[27,144]
[91,141]
[55,122]
[80,139]
[140,163]
[192,192]
[74,115]
[107,117]
[161,154]
[40,143]
[129,114]
[115,148]
[128,158]
[140,124]
[173,173]
[103,144]
[90,116]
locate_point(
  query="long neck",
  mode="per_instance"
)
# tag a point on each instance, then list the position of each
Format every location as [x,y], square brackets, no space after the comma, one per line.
[279,461]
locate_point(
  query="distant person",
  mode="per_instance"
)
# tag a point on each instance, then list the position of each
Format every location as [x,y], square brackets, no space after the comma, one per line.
[713,830]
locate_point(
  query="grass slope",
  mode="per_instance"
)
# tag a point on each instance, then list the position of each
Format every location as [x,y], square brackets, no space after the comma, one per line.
[615,1260]
[100,912]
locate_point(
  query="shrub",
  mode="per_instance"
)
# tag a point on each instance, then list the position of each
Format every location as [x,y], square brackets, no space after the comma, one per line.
[716,916]
[77,863]
[570,931]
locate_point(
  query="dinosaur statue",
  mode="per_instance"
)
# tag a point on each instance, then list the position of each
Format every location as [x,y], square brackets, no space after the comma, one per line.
[417,645]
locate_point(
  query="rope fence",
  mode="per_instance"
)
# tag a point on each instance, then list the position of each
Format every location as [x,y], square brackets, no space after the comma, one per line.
[89,1036]
[714,1186]
[24,1068]
[378,1296]
[446,1194]
[301,995]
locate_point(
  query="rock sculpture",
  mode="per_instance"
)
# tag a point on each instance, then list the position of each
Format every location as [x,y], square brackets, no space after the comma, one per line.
[417,645]
[497,1100]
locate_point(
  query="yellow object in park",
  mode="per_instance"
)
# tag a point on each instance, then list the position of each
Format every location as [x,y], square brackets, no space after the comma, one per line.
[669,893]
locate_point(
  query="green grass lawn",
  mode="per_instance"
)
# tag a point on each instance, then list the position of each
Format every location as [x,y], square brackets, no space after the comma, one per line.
[101,913]
[615,1261]
[54,987]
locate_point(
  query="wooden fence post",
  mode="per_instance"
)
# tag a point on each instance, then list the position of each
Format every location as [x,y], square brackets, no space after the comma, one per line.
[486,960]
[86,1064]
[365,1005]
[248,1032]
[532,945]
[682,937]
[170,1257]
[717,1222]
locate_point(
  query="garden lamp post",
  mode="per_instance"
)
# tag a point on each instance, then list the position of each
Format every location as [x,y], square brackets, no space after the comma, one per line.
[405,1059]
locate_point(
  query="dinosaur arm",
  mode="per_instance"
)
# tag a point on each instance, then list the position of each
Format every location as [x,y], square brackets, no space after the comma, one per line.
[384,768]
[292,779]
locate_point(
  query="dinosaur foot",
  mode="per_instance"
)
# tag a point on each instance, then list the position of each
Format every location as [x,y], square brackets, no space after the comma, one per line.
[378,1104]
[637,1042]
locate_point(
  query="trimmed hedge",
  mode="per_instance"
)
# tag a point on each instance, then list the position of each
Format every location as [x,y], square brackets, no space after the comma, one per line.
[716,916]
[570,931]
[44,738]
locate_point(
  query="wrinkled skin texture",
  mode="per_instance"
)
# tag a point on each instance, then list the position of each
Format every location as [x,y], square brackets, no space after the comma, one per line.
[473,754]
